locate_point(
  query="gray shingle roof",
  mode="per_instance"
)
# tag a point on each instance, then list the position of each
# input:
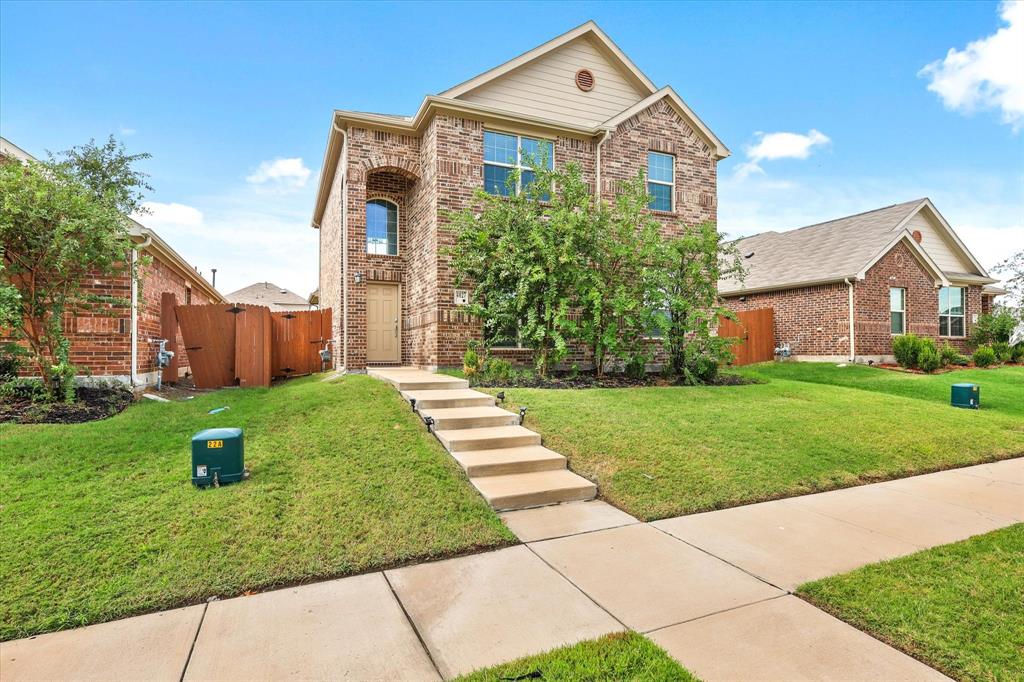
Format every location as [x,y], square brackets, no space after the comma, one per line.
[817,253]
[267,294]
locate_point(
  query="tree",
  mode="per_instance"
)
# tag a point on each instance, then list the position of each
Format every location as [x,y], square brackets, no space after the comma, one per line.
[61,222]
[523,255]
[691,266]
[1013,270]
[619,279]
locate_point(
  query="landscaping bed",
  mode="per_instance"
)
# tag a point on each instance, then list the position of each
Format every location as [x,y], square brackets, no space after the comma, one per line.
[659,452]
[91,403]
[959,607]
[591,380]
[621,656]
[100,521]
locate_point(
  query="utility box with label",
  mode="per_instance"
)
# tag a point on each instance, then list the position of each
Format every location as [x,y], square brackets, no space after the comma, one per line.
[966,395]
[218,456]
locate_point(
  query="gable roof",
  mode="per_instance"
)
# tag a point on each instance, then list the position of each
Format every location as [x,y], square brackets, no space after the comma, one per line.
[267,294]
[458,100]
[836,250]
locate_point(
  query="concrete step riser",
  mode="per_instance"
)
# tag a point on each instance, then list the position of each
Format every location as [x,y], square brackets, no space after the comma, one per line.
[442,404]
[492,443]
[454,423]
[417,385]
[543,497]
[513,467]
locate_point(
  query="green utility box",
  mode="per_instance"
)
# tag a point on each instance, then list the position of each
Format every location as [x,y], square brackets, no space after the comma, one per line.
[218,456]
[966,395]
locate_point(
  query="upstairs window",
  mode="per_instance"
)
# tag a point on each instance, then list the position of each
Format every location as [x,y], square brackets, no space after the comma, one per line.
[897,310]
[504,153]
[381,227]
[661,178]
[951,311]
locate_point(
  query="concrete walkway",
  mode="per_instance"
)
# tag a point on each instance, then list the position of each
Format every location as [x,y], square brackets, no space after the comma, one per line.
[713,589]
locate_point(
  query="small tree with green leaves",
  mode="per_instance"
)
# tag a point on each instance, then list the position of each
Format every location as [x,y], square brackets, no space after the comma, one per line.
[63,221]
[523,255]
[691,266]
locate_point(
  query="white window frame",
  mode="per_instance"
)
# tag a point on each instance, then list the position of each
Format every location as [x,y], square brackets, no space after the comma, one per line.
[519,157]
[949,322]
[902,311]
[670,185]
[398,226]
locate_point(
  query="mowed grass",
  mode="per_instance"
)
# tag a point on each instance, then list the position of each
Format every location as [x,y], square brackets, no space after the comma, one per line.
[959,607]
[621,656]
[659,452]
[100,520]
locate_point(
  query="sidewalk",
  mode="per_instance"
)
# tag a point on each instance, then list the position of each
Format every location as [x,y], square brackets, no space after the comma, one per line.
[713,589]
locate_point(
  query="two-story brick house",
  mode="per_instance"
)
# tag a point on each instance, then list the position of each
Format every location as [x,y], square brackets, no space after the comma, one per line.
[388,182]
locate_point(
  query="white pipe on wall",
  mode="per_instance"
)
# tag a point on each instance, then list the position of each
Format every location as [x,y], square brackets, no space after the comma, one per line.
[135,308]
[853,354]
[344,245]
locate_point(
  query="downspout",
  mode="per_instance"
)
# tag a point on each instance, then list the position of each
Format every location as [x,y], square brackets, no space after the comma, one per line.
[853,346]
[344,244]
[597,166]
[135,308]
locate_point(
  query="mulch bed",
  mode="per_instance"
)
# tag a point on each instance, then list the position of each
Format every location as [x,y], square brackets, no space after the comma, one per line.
[942,370]
[92,403]
[590,380]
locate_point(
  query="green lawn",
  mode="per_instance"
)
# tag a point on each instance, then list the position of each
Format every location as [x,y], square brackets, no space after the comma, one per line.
[664,451]
[623,656]
[958,608]
[100,520]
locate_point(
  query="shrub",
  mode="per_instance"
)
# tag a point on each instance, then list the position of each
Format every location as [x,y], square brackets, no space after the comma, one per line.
[498,369]
[470,359]
[1017,353]
[928,359]
[10,361]
[906,347]
[984,356]
[636,368]
[960,360]
[947,354]
[992,328]
[1003,351]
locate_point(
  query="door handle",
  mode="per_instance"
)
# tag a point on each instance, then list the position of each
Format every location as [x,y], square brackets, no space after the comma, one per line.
[396,329]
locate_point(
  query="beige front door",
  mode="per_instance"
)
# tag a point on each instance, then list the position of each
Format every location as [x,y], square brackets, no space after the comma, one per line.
[383,340]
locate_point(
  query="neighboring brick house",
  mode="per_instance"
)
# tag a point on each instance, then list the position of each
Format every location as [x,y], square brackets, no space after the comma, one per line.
[117,343]
[388,183]
[865,278]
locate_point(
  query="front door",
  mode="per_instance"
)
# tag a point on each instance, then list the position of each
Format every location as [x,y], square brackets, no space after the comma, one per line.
[383,343]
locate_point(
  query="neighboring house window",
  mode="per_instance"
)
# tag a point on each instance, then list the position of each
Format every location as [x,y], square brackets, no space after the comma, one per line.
[381,227]
[660,180]
[503,153]
[951,311]
[898,310]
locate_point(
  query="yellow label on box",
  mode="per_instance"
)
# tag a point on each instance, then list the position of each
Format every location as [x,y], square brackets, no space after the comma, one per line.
[214,444]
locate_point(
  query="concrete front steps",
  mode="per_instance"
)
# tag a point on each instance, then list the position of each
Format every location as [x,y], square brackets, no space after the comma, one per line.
[504,461]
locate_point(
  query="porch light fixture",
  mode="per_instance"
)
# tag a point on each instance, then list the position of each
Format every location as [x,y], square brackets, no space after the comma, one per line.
[358,277]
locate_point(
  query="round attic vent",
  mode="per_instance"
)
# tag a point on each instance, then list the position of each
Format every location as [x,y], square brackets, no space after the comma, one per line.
[585,80]
[916,234]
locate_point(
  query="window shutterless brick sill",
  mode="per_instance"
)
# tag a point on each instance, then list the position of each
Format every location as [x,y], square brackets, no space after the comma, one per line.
[385,256]
[667,214]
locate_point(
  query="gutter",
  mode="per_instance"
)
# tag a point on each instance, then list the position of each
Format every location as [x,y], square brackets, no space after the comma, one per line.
[344,243]
[135,308]
[597,165]
[853,346]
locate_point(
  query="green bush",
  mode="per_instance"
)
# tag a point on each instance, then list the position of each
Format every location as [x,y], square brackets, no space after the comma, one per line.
[928,359]
[960,360]
[948,354]
[10,361]
[498,369]
[992,328]
[984,356]
[906,347]
[1003,351]
[470,362]
[636,368]
[1017,353]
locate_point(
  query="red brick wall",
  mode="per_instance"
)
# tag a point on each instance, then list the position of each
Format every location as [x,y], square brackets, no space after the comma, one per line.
[812,320]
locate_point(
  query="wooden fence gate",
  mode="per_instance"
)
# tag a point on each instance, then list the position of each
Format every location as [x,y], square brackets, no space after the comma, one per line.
[754,332]
[250,344]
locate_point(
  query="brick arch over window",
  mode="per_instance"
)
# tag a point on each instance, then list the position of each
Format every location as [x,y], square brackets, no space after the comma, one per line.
[391,164]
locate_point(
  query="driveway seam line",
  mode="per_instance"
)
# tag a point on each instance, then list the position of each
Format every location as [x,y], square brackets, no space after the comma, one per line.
[719,612]
[582,532]
[195,638]
[412,624]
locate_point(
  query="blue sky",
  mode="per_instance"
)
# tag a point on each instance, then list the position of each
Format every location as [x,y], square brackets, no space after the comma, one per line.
[825,106]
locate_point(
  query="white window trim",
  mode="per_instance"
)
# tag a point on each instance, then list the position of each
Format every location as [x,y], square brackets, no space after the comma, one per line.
[670,185]
[963,316]
[519,157]
[903,311]
[398,226]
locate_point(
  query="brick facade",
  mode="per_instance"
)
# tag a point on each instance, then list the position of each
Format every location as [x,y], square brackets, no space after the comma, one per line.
[437,173]
[814,321]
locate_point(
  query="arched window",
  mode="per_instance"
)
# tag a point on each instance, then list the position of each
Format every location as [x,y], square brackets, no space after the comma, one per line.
[381,227]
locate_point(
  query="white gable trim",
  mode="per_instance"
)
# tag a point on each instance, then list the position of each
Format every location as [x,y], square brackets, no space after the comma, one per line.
[721,151]
[589,28]
[922,256]
[927,203]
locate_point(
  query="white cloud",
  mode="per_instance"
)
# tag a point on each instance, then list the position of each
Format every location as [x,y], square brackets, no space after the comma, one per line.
[280,174]
[169,215]
[988,73]
[773,146]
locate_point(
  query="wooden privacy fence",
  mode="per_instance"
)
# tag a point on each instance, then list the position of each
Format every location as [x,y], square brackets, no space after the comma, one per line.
[249,344]
[754,332]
